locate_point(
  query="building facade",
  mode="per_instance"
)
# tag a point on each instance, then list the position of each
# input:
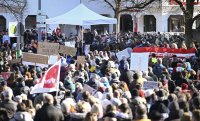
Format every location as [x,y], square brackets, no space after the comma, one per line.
[163,16]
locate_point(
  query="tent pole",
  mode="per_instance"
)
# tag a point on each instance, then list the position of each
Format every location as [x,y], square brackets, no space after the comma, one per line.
[82,40]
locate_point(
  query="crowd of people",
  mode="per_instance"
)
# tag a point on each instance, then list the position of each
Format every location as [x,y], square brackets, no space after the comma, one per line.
[104,88]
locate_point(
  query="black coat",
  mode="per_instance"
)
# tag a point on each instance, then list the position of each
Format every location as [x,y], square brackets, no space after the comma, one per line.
[126,76]
[49,113]
[159,106]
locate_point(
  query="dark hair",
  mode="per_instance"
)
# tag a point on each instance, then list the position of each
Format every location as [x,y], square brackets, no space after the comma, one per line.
[21,107]
[110,108]
[124,107]
[85,95]
[184,105]
[3,115]
[196,102]
[153,55]
[89,116]
[134,93]
[68,93]
[29,104]
[155,115]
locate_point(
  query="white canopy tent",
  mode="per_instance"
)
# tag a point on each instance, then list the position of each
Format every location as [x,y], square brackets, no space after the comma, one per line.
[81,15]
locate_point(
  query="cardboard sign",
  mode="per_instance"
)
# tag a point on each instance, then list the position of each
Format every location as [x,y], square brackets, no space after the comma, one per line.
[89,89]
[46,48]
[139,61]
[5,75]
[35,58]
[80,59]
[19,60]
[67,50]
[150,85]
[70,44]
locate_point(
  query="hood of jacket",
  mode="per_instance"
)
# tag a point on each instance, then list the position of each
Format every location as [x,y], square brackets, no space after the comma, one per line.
[22,116]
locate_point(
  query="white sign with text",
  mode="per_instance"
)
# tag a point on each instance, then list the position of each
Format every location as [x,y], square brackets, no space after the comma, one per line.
[139,61]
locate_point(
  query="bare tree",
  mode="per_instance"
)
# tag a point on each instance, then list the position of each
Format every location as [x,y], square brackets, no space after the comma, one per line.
[188,10]
[15,7]
[121,6]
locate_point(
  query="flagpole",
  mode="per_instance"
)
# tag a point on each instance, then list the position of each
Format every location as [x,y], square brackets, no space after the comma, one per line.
[58,78]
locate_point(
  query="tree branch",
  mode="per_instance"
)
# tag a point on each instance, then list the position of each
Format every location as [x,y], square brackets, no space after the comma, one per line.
[138,6]
[181,6]
[113,8]
[15,7]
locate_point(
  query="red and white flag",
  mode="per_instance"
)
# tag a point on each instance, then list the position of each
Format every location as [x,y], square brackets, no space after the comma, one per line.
[160,51]
[50,81]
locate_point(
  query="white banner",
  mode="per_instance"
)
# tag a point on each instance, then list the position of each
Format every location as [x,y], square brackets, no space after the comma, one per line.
[150,85]
[139,61]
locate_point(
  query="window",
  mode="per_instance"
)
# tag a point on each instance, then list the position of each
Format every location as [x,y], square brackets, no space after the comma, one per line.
[30,22]
[2,23]
[149,23]
[126,23]
[176,23]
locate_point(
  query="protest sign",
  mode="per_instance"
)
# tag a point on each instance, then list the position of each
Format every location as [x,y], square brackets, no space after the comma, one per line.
[80,59]
[160,51]
[70,44]
[19,60]
[126,52]
[5,75]
[67,50]
[139,61]
[150,85]
[86,49]
[89,89]
[35,59]
[53,59]
[46,48]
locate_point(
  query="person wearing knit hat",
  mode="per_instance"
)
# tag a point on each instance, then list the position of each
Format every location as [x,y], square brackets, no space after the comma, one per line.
[184,87]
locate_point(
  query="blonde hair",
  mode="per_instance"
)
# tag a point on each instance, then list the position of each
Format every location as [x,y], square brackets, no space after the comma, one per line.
[124,86]
[98,109]
[81,107]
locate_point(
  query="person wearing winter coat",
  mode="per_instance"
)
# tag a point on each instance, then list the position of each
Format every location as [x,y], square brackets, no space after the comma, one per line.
[21,114]
[49,112]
